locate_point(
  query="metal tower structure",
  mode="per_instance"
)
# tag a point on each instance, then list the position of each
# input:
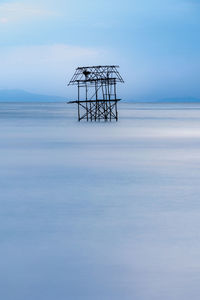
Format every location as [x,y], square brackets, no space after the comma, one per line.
[97,95]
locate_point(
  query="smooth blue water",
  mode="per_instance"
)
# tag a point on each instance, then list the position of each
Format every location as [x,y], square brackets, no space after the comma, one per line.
[99,210]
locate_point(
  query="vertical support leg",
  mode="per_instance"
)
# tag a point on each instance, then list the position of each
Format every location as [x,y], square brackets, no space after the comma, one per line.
[115,91]
[86,96]
[105,103]
[115,95]
[96,104]
[90,112]
[116,112]
[102,104]
[79,112]
[110,107]
[78,102]
[99,110]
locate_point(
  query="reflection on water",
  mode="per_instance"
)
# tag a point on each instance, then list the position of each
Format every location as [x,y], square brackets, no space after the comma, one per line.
[100,211]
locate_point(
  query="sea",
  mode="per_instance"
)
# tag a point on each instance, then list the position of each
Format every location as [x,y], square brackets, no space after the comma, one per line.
[100,211]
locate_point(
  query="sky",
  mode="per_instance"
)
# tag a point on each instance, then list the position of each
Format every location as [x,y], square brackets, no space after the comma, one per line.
[156,43]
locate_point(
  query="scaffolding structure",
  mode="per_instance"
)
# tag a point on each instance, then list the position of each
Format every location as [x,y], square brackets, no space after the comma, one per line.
[97,94]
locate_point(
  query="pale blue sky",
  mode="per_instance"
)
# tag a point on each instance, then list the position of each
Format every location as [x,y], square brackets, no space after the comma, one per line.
[155,42]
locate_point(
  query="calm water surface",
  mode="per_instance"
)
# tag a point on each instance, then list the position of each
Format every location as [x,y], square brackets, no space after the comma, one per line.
[100,211]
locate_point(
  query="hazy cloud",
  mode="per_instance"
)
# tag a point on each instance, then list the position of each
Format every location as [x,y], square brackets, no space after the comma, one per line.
[45,69]
[19,11]
[3,20]
[155,42]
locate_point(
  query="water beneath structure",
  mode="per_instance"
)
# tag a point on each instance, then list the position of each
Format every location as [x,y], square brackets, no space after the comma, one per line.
[100,210]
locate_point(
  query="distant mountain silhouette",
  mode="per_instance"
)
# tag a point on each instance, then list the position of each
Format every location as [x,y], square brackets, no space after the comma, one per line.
[167,100]
[180,100]
[23,96]
[17,95]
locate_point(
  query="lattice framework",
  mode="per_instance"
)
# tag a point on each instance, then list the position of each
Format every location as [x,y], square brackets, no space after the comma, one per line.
[100,97]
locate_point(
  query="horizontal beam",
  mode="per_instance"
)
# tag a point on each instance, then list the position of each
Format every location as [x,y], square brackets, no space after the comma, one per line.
[93,101]
[97,67]
[100,80]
